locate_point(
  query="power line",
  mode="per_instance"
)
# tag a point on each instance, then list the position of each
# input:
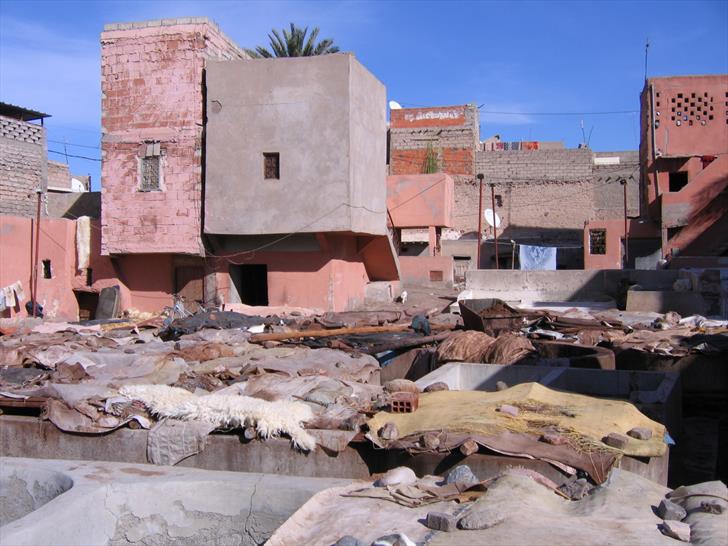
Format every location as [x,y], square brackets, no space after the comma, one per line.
[76,156]
[75,145]
[613,112]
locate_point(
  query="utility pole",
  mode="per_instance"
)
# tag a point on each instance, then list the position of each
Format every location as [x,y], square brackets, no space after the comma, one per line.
[495,226]
[34,291]
[626,234]
[480,219]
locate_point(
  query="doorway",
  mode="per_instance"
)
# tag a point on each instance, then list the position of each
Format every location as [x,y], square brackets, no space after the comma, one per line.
[189,283]
[249,284]
[87,303]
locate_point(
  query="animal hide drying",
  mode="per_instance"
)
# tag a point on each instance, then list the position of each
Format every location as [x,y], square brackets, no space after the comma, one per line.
[269,418]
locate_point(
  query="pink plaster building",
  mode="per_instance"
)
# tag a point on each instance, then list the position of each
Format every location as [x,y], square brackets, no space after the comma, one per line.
[684,176]
[422,203]
[216,188]
[152,124]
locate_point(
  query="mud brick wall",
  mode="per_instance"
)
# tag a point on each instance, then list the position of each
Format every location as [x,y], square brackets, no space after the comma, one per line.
[547,195]
[152,92]
[451,131]
[59,175]
[23,166]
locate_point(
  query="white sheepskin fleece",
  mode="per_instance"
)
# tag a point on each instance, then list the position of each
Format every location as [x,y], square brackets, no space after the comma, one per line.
[223,410]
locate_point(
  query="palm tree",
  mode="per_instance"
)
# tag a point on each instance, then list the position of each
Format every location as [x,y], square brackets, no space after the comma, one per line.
[293,43]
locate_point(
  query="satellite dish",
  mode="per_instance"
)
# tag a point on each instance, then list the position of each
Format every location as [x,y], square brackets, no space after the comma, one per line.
[394,105]
[492,218]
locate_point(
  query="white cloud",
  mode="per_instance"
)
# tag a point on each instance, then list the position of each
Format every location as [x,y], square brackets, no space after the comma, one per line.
[44,69]
[504,113]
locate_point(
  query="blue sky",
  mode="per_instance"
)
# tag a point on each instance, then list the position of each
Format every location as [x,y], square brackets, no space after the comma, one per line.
[522,57]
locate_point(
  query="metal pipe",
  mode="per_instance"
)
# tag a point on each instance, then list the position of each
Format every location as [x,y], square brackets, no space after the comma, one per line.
[34,291]
[480,220]
[495,227]
[626,234]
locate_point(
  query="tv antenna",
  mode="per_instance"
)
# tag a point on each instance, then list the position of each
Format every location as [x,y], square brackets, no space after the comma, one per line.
[647,50]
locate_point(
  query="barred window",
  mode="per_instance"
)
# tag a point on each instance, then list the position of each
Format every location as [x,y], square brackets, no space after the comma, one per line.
[150,175]
[597,241]
[272,166]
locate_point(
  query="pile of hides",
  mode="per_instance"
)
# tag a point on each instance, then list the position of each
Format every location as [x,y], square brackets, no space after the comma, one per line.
[270,419]
[221,320]
[467,346]
[474,346]
[579,422]
[509,348]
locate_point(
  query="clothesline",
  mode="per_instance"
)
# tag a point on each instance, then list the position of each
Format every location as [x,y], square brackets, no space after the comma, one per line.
[504,242]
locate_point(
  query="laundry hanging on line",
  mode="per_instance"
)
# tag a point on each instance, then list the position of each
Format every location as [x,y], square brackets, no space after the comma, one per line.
[11,295]
[537,257]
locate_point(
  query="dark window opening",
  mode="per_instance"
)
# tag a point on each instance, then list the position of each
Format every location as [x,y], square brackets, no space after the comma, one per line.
[272,166]
[87,303]
[150,173]
[597,241]
[89,276]
[678,180]
[673,231]
[436,276]
[499,200]
[249,284]
[47,271]
[189,283]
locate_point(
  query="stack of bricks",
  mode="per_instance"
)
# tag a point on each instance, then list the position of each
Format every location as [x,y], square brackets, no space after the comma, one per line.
[23,167]
[452,132]
[152,92]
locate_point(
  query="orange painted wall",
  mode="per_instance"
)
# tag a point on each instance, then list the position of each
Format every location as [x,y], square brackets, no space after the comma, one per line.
[612,259]
[57,244]
[420,200]
[416,269]
[332,279]
[145,281]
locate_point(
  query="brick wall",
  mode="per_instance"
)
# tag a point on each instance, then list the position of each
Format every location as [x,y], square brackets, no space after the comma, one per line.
[526,165]
[547,195]
[22,166]
[58,175]
[452,131]
[152,91]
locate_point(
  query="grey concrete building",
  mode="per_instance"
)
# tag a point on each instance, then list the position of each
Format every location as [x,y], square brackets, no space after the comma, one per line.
[295,145]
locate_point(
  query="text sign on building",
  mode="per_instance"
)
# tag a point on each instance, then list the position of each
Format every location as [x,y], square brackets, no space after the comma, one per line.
[428,117]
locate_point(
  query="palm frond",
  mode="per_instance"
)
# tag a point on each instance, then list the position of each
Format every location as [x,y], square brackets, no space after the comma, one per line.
[294,41]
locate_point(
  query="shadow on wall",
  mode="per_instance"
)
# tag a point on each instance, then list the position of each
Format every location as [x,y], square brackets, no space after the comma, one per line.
[705,232]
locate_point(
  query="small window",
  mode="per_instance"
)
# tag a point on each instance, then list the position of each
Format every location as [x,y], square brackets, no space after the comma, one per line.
[272,166]
[436,276]
[150,176]
[89,277]
[597,241]
[678,180]
[47,270]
